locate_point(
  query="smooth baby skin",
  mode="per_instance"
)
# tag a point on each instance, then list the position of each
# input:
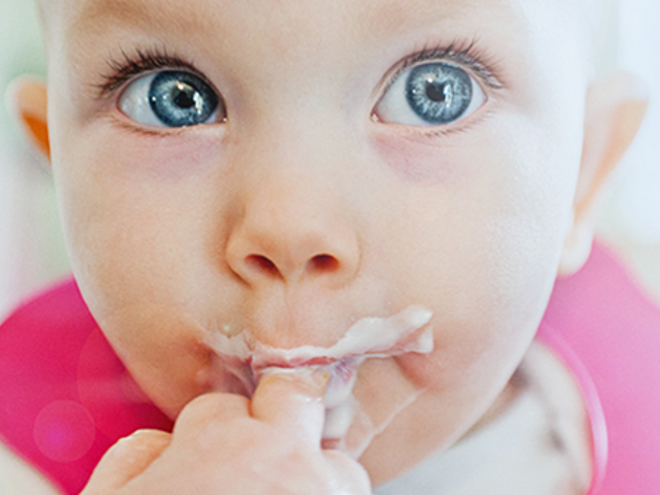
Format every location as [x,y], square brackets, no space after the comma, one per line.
[312,203]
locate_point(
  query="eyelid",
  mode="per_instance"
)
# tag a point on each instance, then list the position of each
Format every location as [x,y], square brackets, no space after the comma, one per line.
[130,67]
[467,57]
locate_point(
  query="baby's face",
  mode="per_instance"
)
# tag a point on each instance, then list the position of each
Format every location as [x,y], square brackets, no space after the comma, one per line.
[288,168]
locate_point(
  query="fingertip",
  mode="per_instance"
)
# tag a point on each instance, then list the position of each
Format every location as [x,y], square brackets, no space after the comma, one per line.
[141,446]
[305,381]
[146,439]
[214,406]
[353,473]
[126,459]
[291,396]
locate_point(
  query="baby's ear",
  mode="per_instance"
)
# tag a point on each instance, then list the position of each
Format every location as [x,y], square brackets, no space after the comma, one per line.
[28,100]
[615,108]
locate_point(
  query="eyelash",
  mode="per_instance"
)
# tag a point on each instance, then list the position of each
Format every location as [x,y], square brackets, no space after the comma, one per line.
[462,54]
[144,60]
[465,55]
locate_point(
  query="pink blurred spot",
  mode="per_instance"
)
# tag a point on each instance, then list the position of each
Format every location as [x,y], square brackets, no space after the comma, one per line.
[64,431]
[108,392]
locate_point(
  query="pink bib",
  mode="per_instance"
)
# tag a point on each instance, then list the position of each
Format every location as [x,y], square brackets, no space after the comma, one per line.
[607,332]
[65,397]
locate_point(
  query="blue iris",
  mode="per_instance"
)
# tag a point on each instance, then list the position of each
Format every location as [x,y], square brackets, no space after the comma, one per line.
[180,99]
[438,93]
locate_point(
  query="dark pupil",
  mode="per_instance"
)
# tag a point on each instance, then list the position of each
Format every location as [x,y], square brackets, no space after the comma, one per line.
[436,92]
[184,95]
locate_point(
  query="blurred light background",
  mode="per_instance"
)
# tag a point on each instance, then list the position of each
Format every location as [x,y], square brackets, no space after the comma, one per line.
[32,250]
[31,246]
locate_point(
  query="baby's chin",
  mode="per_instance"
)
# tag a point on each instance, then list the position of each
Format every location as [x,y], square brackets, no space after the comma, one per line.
[366,389]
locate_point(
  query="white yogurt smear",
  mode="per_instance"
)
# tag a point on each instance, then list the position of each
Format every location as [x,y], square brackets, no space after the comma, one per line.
[248,360]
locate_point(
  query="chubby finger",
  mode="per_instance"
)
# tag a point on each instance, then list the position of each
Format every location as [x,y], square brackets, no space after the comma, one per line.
[350,474]
[125,460]
[292,398]
[215,406]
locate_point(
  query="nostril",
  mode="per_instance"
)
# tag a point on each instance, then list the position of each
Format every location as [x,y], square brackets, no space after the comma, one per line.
[323,263]
[262,264]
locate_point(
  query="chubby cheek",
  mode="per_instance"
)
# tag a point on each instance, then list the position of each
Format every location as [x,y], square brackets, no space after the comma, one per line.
[132,209]
[133,216]
[482,253]
[162,348]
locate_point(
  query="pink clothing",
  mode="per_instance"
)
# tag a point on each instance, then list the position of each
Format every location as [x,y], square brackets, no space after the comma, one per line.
[65,398]
[608,333]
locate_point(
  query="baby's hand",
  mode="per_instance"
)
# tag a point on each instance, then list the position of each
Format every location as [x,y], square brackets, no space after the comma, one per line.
[223,443]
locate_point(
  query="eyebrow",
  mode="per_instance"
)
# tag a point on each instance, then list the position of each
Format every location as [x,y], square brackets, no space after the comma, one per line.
[381,16]
[392,17]
[95,14]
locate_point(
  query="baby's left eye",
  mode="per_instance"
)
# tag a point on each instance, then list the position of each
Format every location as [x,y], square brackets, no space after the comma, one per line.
[431,94]
[171,99]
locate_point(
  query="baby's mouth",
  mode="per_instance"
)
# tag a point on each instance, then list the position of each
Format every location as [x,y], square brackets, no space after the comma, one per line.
[246,361]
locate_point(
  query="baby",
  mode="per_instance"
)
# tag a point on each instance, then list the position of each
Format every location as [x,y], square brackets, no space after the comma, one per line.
[321,236]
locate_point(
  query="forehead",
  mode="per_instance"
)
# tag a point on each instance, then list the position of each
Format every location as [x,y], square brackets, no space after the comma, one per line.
[389,12]
[321,31]
[307,17]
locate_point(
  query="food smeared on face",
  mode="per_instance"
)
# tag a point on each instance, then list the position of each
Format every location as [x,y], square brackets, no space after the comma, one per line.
[245,361]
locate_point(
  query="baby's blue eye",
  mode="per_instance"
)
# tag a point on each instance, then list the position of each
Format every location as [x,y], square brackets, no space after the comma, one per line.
[171,99]
[430,94]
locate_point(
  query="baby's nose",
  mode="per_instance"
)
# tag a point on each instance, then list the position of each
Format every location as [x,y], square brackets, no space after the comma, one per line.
[293,234]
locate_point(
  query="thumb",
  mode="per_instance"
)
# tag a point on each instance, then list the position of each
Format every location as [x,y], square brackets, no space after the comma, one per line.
[125,460]
[292,399]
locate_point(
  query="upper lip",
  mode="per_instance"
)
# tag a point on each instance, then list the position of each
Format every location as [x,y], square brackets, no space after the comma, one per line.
[398,334]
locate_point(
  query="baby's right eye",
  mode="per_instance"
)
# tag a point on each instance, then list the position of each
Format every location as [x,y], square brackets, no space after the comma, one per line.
[171,98]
